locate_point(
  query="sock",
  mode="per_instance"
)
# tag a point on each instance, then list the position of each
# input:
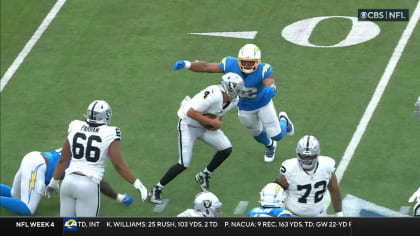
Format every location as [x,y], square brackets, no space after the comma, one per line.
[15,205]
[218,159]
[263,138]
[5,190]
[171,174]
[283,127]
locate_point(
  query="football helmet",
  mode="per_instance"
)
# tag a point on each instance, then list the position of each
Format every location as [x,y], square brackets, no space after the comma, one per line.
[232,84]
[307,151]
[249,57]
[417,105]
[99,112]
[207,204]
[272,195]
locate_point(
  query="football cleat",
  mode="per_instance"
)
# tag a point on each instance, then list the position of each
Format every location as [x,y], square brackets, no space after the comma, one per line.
[270,152]
[155,194]
[290,130]
[203,179]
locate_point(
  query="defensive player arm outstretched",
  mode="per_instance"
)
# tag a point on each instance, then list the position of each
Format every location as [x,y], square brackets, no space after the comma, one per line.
[335,195]
[198,66]
[122,168]
[108,191]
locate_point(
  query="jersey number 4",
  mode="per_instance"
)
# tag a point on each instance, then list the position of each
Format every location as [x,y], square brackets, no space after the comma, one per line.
[321,185]
[80,151]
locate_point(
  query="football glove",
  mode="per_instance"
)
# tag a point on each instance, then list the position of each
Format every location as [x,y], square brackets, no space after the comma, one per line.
[141,188]
[52,188]
[415,196]
[269,92]
[125,199]
[181,64]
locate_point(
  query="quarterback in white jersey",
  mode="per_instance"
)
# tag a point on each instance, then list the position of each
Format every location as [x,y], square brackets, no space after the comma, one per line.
[205,204]
[306,178]
[201,118]
[89,144]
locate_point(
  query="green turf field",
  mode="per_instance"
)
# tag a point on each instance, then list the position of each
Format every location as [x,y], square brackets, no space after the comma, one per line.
[123,51]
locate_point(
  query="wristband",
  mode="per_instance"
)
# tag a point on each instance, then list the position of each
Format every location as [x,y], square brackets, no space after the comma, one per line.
[339,214]
[120,197]
[187,64]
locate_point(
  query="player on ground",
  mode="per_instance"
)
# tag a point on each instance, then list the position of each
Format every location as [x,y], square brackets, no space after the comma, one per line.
[205,204]
[89,144]
[306,178]
[416,195]
[201,118]
[35,172]
[256,108]
[271,199]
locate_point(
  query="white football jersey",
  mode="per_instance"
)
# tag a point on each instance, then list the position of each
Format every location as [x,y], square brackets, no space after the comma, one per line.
[190,213]
[207,101]
[89,148]
[306,191]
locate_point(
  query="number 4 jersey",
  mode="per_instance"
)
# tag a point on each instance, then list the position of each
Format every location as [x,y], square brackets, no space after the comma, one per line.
[89,148]
[306,189]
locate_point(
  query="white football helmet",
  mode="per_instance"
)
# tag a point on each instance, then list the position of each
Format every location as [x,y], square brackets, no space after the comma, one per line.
[272,195]
[232,84]
[207,204]
[99,112]
[248,58]
[417,105]
[307,151]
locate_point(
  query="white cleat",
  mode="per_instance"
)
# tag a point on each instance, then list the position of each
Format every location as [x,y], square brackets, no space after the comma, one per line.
[290,130]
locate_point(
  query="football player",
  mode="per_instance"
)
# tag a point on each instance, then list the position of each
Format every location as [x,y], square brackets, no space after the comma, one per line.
[256,108]
[306,178]
[200,118]
[89,144]
[205,204]
[35,172]
[271,199]
[416,198]
[417,105]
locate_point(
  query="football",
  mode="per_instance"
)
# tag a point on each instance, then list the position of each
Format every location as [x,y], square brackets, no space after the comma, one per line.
[211,116]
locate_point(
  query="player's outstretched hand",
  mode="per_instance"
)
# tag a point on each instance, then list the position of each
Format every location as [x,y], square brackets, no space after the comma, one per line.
[181,64]
[141,188]
[52,188]
[125,199]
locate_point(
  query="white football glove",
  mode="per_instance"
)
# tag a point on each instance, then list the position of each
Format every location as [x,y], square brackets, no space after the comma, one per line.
[52,188]
[415,196]
[141,188]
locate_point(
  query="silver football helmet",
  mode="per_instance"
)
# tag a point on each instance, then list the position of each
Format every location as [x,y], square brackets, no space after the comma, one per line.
[417,105]
[99,112]
[207,204]
[272,195]
[249,57]
[307,151]
[232,84]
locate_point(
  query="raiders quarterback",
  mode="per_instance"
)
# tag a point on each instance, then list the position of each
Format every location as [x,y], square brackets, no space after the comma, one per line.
[306,178]
[200,118]
[89,144]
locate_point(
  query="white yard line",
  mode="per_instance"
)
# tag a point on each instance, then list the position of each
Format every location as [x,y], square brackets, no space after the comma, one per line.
[30,44]
[361,128]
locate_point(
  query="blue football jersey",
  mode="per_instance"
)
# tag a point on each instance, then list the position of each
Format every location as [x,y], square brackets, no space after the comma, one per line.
[52,157]
[252,98]
[269,212]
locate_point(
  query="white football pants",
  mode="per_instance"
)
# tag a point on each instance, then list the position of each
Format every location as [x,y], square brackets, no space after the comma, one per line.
[79,196]
[187,135]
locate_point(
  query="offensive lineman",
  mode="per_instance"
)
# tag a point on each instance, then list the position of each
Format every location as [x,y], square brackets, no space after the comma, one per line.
[35,172]
[256,108]
[89,144]
[195,122]
[306,178]
[205,204]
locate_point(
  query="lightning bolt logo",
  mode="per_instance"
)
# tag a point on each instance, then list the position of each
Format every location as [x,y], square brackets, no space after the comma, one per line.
[32,181]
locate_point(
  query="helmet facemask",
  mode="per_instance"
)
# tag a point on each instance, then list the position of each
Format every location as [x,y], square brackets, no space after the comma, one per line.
[249,57]
[307,151]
